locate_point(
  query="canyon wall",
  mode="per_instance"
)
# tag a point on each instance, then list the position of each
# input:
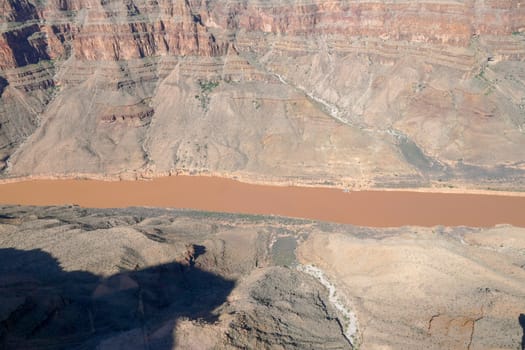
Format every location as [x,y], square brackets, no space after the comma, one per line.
[345,93]
[119,30]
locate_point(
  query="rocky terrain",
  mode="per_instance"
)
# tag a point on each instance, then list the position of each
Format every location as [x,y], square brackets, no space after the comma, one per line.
[341,93]
[347,93]
[159,279]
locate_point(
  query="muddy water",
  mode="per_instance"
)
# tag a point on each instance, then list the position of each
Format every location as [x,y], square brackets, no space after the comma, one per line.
[367,208]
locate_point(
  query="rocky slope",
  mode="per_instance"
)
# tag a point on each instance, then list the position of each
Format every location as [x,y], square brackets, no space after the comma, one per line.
[353,93]
[162,279]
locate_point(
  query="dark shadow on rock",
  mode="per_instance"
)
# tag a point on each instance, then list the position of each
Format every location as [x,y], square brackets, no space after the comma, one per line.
[23,11]
[194,251]
[3,84]
[521,320]
[43,306]
[26,50]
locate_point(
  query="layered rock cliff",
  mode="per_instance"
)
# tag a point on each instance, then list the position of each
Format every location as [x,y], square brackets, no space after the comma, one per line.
[348,93]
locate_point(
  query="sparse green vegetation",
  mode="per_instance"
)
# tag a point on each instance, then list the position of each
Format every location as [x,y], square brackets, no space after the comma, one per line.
[206,87]
[418,87]
[54,90]
[481,74]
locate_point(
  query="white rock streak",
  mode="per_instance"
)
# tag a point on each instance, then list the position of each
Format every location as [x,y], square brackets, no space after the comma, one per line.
[331,109]
[349,318]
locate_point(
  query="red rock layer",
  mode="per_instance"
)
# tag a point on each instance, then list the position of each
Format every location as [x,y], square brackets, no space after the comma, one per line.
[105,30]
[441,22]
[119,30]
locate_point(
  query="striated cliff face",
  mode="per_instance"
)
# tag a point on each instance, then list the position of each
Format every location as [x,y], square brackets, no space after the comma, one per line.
[117,30]
[102,30]
[348,93]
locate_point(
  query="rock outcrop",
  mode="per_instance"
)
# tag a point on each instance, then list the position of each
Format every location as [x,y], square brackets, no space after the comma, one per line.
[347,93]
[161,279]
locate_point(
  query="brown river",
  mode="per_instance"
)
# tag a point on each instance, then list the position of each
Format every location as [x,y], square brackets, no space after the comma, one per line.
[366,208]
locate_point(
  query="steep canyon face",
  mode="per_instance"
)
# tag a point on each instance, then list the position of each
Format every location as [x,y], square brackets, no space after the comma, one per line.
[345,93]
